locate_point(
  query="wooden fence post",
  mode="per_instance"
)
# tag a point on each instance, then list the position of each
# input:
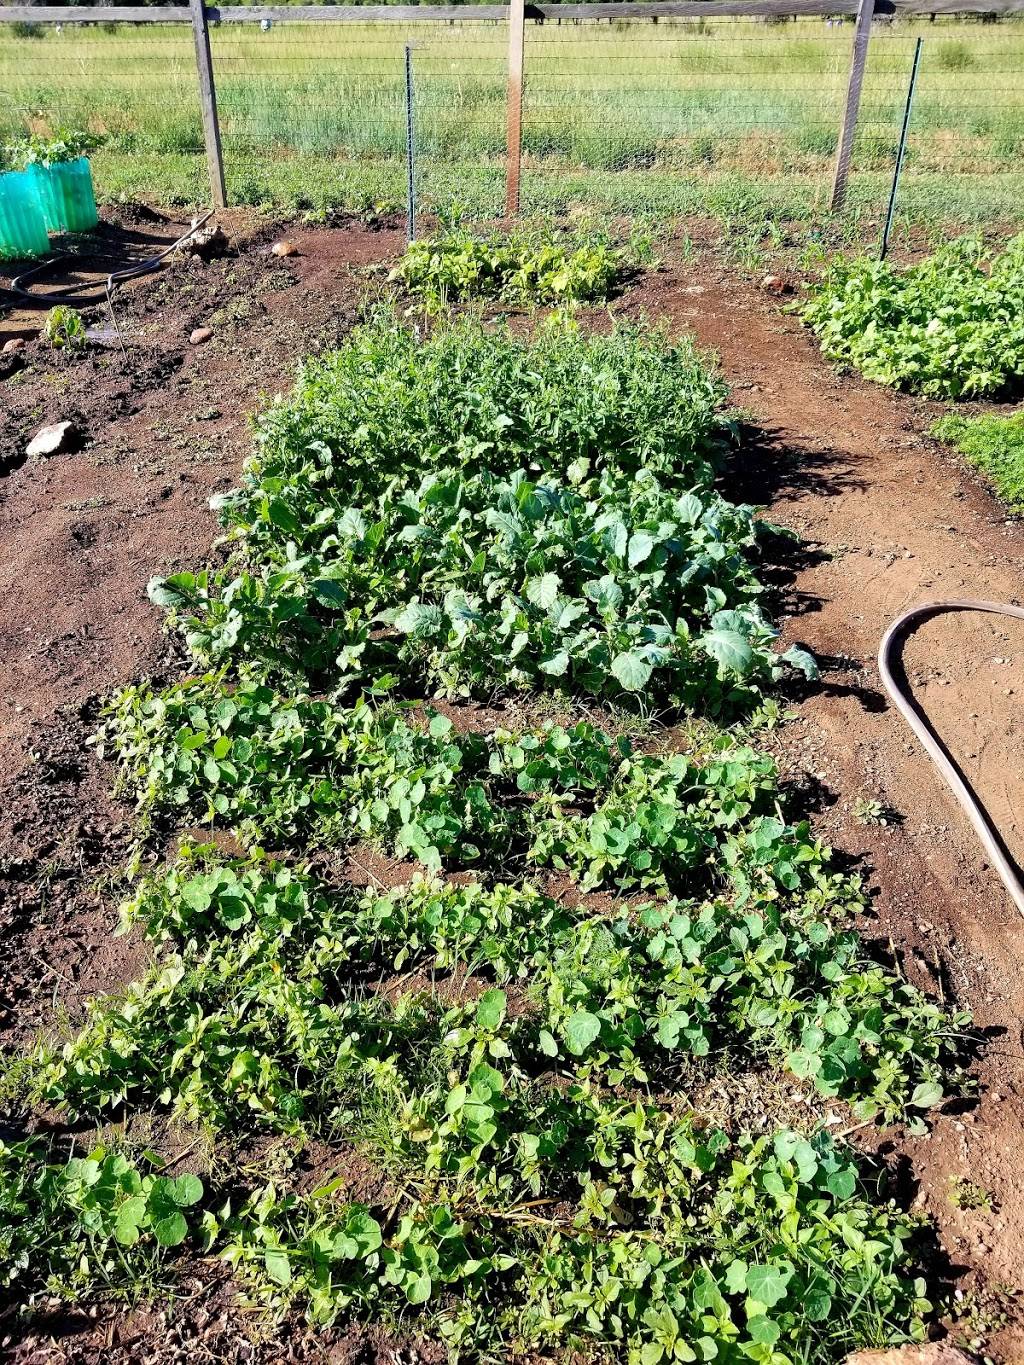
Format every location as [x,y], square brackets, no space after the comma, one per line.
[208,102]
[861,38]
[516,36]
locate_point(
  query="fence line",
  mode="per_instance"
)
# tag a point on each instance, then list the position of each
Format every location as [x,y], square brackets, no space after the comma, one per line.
[511,19]
[428,13]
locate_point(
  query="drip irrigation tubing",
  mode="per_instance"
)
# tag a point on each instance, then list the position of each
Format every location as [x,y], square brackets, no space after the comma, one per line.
[987,832]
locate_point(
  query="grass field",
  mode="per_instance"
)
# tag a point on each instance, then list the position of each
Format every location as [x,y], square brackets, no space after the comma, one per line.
[627,116]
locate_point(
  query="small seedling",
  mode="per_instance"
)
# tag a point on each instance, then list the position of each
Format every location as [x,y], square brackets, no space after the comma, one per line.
[869,811]
[65,328]
[967,1194]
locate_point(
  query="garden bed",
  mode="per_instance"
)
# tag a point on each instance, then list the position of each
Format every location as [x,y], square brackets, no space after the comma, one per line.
[885,519]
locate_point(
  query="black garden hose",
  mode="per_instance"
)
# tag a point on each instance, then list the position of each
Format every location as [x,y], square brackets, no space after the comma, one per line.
[936,750]
[83,294]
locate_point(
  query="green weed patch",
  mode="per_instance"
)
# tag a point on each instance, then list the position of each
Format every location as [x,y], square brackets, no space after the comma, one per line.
[994,446]
[99,1221]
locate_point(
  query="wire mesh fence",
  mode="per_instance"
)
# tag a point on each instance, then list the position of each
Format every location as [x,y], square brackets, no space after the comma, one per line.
[323,106]
[745,98]
[628,114]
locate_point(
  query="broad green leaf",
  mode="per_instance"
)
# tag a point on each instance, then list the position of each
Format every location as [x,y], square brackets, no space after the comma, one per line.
[730,650]
[767,1284]
[580,1030]
[631,670]
[490,1009]
[543,591]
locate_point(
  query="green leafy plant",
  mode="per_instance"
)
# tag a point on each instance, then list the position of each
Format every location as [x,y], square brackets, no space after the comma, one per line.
[968,1194]
[994,446]
[386,405]
[868,810]
[67,1226]
[819,1270]
[64,328]
[64,145]
[950,326]
[521,266]
[482,584]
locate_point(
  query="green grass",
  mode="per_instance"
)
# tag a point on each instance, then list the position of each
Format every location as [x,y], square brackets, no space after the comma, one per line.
[994,446]
[623,117]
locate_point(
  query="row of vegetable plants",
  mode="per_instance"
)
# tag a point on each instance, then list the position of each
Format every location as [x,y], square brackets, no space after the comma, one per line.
[463,516]
[948,326]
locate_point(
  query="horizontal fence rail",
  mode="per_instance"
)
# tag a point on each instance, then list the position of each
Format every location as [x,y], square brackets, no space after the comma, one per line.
[530,98]
[358,14]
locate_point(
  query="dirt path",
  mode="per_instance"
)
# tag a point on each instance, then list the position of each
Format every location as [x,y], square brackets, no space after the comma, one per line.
[888,521]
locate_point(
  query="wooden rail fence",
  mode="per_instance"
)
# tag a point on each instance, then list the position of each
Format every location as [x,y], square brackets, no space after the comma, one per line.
[514,14]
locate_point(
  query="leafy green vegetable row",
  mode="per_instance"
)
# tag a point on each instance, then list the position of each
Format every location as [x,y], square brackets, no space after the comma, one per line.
[259,996]
[765,1249]
[474,584]
[481,513]
[949,326]
[274,767]
[484,1114]
[387,404]
[687,1246]
[522,266]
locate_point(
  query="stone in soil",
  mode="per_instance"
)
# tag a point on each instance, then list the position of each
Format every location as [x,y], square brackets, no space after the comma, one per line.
[929,1353]
[53,439]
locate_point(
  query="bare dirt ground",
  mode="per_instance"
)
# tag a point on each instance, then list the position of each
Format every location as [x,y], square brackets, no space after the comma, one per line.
[886,519]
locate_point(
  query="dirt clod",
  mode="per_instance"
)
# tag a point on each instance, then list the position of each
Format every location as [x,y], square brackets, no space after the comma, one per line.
[209,242]
[284,248]
[200,335]
[11,345]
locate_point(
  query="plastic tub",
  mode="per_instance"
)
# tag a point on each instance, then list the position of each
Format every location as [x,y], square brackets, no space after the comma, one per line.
[22,225]
[65,195]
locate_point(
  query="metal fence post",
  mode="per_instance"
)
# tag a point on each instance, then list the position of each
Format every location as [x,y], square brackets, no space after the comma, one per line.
[410,152]
[902,151]
[861,38]
[516,38]
[208,102]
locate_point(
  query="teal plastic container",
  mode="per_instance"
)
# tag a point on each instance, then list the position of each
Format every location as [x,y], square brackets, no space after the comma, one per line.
[66,195]
[22,225]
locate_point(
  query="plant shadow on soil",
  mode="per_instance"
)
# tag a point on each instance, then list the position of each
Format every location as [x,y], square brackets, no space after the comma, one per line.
[760,470]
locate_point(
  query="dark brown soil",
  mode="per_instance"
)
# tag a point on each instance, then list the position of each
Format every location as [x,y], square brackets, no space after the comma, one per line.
[886,518]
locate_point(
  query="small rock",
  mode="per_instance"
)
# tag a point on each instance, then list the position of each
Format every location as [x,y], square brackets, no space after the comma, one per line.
[14,344]
[930,1353]
[284,248]
[200,335]
[52,440]
[775,284]
[208,242]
